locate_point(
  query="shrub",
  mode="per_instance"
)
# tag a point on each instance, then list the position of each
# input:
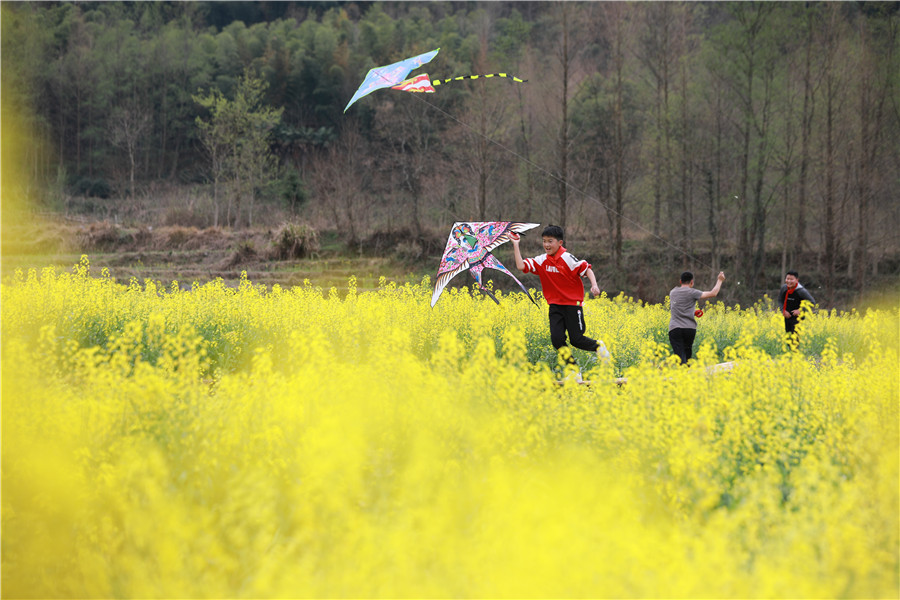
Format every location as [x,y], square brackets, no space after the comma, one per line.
[185,217]
[295,240]
[94,188]
[292,191]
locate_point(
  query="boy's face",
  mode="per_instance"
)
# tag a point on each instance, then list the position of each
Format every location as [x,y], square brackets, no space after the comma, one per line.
[551,244]
[791,281]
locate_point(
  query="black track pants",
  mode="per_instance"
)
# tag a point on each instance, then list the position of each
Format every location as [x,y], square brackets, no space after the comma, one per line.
[569,320]
[682,340]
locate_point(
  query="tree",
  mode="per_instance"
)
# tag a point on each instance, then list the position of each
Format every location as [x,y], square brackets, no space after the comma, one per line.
[747,61]
[616,18]
[877,71]
[339,184]
[616,145]
[806,120]
[236,138]
[656,54]
[563,143]
[129,124]
[511,48]
[834,82]
[488,117]
[412,130]
[178,64]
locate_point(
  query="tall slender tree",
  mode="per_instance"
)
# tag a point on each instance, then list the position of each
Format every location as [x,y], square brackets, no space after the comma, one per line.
[656,55]
[562,145]
[237,139]
[833,83]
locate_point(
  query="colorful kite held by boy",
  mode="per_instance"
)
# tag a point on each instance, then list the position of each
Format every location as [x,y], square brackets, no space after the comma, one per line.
[469,247]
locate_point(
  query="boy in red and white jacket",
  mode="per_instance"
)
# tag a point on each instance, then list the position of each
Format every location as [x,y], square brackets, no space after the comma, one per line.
[560,274]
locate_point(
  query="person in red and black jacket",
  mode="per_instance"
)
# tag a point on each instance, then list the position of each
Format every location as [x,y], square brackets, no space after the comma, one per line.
[790,297]
[560,274]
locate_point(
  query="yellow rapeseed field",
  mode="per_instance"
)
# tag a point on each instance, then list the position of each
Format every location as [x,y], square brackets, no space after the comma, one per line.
[253,442]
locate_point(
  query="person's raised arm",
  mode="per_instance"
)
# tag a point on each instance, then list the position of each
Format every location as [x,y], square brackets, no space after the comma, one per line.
[589,273]
[715,291]
[514,238]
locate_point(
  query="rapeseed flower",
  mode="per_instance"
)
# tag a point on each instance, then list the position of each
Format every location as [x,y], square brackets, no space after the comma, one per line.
[253,442]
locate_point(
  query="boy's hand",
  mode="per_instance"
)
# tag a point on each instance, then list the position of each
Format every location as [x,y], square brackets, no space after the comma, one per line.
[595,290]
[514,238]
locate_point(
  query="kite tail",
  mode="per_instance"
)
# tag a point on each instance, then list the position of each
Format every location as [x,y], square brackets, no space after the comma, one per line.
[492,262]
[477,270]
[488,293]
[438,82]
[527,293]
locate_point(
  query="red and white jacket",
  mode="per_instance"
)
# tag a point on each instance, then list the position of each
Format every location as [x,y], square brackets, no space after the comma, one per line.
[560,277]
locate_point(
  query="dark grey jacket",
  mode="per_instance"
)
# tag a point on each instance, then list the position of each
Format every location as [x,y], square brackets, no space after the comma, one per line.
[791,302]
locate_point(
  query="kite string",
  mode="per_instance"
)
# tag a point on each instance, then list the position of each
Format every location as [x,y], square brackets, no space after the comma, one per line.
[566,183]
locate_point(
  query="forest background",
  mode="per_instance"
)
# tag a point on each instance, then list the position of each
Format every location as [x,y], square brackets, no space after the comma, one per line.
[751,137]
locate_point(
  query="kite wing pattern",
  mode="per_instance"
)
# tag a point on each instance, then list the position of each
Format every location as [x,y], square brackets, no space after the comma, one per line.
[419,83]
[390,75]
[469,247]
[395,76]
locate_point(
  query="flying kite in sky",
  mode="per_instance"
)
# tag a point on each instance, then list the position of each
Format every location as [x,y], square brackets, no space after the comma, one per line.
[395,75]
[389,76]
[469,247]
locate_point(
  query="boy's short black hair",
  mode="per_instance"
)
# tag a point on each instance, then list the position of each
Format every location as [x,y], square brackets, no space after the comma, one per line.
[554,231]
[687,277]
[794,273]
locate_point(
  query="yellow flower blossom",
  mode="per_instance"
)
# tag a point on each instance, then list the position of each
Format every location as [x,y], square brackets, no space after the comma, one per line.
[298,442]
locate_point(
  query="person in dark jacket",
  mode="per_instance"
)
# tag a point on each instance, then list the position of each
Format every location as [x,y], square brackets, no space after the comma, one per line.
[790,297]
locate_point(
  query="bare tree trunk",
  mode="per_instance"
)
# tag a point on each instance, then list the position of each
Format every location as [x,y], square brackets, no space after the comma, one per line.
[251,196]
[78,128]
[662,167]
[714,182]
[231,199]
[655,55]
[712,218]
[562,181]
[806,119]
[620,144]
[687,167]
[743,228]
[760,203]
[657,169]
[131,172]
[488,125]
[862,231]
[668,167]
[869,133]
[829,233]
[604,186]
[526,150]
[758,62]
[128,124]
[216,201]
[832,87]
